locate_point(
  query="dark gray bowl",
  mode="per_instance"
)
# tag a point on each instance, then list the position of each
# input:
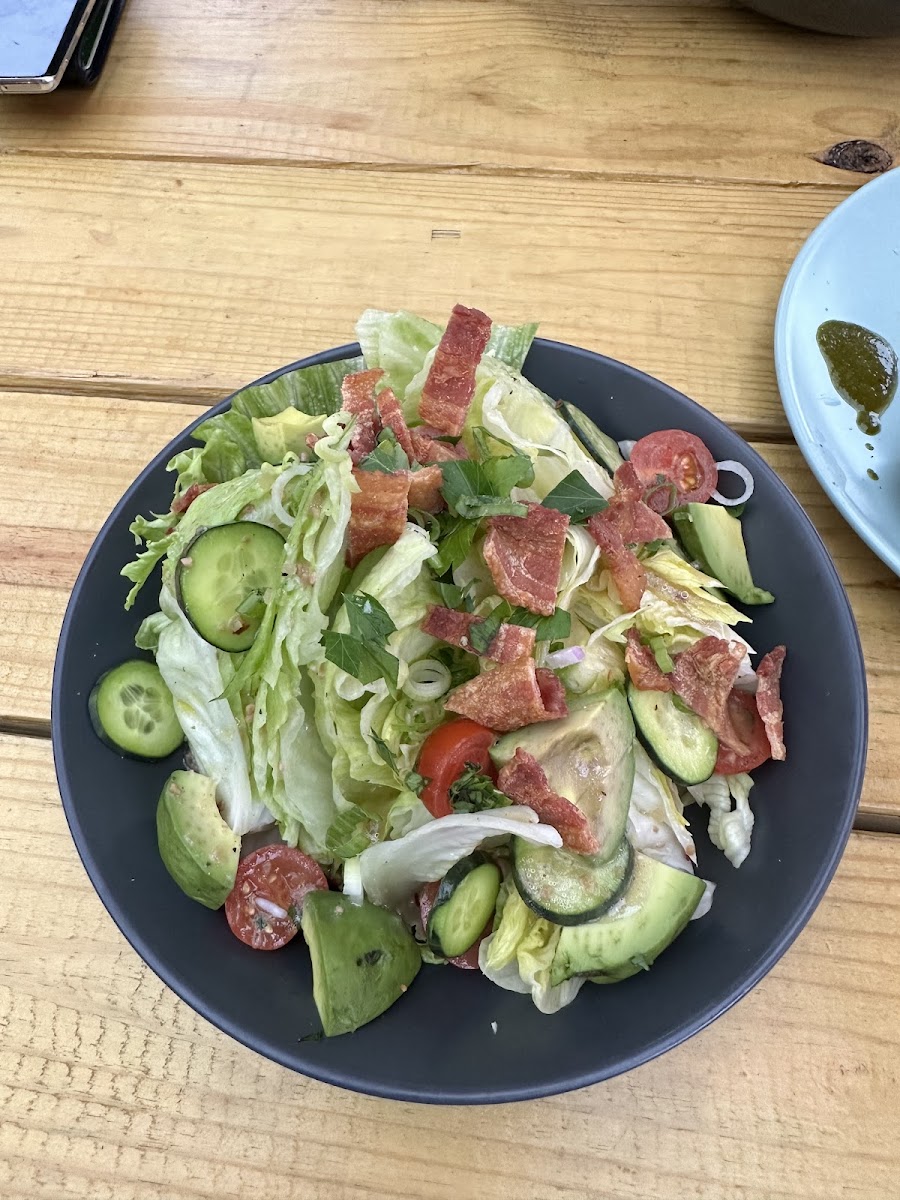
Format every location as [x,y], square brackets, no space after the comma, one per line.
[437,1044]
[857,18]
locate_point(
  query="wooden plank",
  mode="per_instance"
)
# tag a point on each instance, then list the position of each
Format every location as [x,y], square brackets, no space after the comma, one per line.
[112,1089]
[246,268]
[607,87]
[107,441]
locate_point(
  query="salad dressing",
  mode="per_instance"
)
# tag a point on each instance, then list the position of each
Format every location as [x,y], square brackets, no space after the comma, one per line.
[863,369]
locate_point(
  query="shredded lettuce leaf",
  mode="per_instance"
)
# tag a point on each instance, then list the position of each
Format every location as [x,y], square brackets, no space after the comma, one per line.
[230,445]
[406,814]
[516,411]
[196,674]
[518,954]
[580,558]
[602,666]
[656,821]
[350,714]
[314,390]
[291,765]
[392,871]
[729,828]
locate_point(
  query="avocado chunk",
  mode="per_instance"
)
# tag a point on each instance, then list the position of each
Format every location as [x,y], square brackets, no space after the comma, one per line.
[588,758]
[654,908]
[198,849]
[714,538]
[363,959]
[285,432]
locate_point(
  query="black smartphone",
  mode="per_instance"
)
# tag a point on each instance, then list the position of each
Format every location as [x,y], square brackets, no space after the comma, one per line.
[46,42]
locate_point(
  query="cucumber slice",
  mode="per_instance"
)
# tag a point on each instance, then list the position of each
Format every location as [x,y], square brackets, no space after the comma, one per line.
[677,741]
[463,906]
[568,888]
[132,711]
[225,579]
[597,443]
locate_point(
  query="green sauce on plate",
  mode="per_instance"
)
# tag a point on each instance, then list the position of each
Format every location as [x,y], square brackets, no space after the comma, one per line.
[863,369]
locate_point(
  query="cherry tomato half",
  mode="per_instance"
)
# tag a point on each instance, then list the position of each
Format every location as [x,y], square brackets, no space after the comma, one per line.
[749,726]
[263,908]
[444,756]
[680,458]
[467,961]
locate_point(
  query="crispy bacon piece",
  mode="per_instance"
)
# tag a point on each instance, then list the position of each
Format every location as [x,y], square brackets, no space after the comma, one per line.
[427,449]
[377,512]
[358,399]
[425,489]
[628,574]
[635,521]
[524,781]
[553,694]
[768,699]
[512,642]
[745,718]
[451,381]
[642,666]
[626,484]
[183,502]
[703,677]
[392,418]
[509,697]
[628,514]
[524,556]
[509,643]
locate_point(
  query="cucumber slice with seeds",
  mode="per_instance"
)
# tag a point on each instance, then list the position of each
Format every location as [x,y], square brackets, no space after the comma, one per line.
[678,741]
[464,903]
[132,711]
[225,579]
[568,888]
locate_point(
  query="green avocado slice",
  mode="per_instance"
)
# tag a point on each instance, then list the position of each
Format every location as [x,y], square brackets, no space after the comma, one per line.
[363,959]
[712,536]
[588,757]
[652,911]
[198,849]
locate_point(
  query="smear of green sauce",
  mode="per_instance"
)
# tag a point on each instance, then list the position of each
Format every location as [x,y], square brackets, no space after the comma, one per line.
[863,369]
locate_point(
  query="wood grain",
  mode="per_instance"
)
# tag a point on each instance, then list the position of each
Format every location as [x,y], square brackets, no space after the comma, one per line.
[112,1088]
[193,279]
[107,441]
[644,89]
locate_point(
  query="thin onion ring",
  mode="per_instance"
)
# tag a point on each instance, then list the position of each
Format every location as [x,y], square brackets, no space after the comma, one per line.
[734,468]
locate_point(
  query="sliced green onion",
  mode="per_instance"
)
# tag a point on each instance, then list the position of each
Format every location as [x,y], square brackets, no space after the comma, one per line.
[353,884]
[665,489]
[428,679]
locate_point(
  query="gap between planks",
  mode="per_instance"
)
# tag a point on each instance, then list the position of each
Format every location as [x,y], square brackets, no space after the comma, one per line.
[38,728]
[841,181]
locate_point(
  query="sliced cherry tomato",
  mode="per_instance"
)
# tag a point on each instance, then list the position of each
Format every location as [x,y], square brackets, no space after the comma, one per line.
[467,961]
[680,458]
[749,726]
[263,908]
[444,756]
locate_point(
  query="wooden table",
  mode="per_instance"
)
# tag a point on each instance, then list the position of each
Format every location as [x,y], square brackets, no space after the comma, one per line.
[242,182]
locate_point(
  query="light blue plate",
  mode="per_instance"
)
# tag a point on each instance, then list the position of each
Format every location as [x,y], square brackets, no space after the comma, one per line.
[848,270]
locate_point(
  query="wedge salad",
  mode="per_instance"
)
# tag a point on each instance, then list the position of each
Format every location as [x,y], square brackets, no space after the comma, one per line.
[450,664]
